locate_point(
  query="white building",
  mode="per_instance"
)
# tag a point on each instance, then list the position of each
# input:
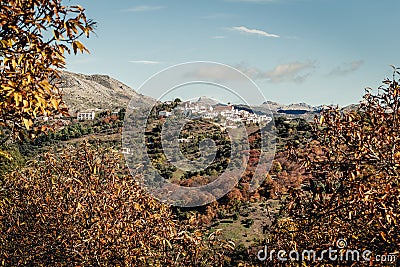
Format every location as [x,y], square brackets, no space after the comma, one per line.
[232,116]
[184,140]
[164,113]
[126,150]
[86,115]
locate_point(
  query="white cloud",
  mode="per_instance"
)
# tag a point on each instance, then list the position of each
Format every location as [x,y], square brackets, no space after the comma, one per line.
[244,29]
[219,37]
[144,8]
[146,62]
[296,72]
[346,68]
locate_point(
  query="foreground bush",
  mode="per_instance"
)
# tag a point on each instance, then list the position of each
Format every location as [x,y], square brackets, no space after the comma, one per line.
[354,193]
[81,208]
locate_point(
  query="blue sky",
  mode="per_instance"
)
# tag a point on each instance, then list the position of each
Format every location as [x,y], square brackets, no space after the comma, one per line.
[313,51]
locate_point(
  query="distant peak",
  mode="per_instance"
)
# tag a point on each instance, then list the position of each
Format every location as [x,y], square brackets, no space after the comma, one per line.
[207,100]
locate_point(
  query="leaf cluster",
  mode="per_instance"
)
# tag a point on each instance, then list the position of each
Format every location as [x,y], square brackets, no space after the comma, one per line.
[354,190]
[34,37]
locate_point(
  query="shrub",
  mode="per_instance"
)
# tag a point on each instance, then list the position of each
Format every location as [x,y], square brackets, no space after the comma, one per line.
[81,208]
[354,192]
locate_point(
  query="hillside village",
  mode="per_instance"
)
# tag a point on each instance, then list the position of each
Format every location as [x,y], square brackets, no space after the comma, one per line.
[226,115]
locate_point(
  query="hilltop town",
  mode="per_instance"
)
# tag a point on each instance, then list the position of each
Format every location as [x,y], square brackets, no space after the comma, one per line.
[227,116]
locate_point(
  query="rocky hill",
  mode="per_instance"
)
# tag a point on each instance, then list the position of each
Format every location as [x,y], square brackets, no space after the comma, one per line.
[84,92]
[207,101]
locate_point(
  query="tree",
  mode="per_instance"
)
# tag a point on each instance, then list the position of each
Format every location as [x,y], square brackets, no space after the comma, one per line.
[121,114]
[34,37]
[354,192]
[276,167]
[81,207]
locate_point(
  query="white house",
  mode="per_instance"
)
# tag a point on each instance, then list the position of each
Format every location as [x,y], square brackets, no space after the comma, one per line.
[86,115]
[184,140]
[165,113]
[126,150]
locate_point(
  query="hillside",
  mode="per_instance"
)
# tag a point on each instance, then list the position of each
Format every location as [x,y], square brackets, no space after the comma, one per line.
[82,92]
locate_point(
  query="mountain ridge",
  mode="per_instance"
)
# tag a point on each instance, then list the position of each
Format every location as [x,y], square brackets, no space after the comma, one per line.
[98,92]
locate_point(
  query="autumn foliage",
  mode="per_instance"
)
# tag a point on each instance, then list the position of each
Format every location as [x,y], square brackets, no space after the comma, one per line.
[82,208]
[34,37]
[354,192]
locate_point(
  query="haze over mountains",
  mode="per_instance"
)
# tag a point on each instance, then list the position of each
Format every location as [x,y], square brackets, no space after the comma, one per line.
[85,92]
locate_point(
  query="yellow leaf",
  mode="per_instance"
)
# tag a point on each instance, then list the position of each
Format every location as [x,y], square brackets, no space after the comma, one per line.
[20,59]
[321,120]
[4,154]
[55,103]
[383,235]
[79,206]
[61,49]
[78,45]
[168,243]
[17,98]
[28,123]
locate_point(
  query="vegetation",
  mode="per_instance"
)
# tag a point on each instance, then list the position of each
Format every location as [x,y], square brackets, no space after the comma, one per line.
[15,159]
[34,37]
[194,132]
[354,189]
[81,207]
[331,176]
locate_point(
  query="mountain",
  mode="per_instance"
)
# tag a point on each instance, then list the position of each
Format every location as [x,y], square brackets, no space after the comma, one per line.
[273,106]
[350,107]
[83,92]
[207,101]
[297,110]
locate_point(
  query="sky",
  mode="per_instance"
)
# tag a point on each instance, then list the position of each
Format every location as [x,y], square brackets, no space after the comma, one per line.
[313,51]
